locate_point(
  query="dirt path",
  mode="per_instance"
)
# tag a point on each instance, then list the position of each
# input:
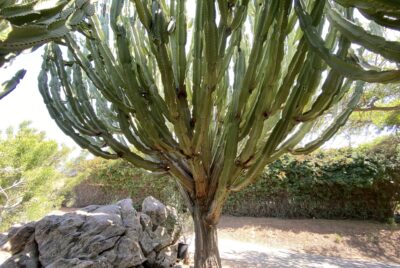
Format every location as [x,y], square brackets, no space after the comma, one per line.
[247,242]
[359,240]
[236,254]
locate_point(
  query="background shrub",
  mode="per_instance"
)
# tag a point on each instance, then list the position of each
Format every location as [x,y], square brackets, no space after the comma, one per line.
[31,184]
[106,181]
[362,183]
[36,178]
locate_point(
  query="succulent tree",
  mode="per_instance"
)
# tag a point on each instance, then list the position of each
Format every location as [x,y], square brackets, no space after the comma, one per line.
[214,95]
[30,24]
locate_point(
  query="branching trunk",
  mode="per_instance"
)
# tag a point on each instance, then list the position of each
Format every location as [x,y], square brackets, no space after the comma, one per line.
[206,241]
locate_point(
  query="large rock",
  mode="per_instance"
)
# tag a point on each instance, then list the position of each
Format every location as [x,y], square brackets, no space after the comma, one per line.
[155,209]
[97,236]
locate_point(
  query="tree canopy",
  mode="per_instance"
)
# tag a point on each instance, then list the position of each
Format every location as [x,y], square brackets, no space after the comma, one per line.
[28,169]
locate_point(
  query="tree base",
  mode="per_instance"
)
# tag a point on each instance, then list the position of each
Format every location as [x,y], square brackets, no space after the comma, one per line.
[206,242]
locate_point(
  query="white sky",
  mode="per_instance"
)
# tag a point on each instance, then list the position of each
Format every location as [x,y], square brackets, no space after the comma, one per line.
[26,103]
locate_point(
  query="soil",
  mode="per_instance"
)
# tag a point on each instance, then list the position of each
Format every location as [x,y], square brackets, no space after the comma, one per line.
[359,240]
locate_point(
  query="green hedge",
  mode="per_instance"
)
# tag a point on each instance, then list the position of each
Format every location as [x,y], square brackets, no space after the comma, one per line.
[363,183]
[107,181]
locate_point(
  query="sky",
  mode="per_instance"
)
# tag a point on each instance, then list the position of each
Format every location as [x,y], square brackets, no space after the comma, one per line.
[26,103]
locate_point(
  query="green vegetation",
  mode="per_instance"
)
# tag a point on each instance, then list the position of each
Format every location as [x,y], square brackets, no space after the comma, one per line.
[31,184]
[106,181]
[379,107]
[361,183]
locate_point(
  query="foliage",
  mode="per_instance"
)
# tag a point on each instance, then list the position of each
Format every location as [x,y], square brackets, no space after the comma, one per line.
[183,111]
[362,183]
[359,183]
[30,182]
[380,107]
[104,182]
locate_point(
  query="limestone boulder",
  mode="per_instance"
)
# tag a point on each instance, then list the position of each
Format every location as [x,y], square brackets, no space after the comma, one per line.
[97,236]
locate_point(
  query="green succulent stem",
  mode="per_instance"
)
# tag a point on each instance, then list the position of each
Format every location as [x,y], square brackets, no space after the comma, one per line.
[213,97]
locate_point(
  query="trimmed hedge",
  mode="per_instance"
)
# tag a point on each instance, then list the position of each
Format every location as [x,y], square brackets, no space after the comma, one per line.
[107,181]
[362,184]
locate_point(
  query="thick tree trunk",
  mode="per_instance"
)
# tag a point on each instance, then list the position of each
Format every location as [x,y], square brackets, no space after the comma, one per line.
[206,242]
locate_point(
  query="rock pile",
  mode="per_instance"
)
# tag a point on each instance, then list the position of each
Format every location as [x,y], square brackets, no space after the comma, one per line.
[97,236]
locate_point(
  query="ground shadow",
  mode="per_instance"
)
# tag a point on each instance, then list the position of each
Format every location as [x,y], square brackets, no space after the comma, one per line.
[243,259]
[371,239]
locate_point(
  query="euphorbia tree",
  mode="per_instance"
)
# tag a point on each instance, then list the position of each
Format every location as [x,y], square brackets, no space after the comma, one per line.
[30,24]
[212,98]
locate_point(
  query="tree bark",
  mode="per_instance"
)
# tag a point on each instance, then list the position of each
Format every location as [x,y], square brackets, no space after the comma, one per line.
[206,241]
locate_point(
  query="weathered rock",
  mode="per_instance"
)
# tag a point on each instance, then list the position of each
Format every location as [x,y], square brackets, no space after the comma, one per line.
[166,257]
[75,262]
[145,221]
[155,209]
[97,236]
[21,245]
[17,237]
[27,257]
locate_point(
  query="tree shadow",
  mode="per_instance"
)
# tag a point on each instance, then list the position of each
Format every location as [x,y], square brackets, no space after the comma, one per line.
[372,245]
[370,239]
[235,259]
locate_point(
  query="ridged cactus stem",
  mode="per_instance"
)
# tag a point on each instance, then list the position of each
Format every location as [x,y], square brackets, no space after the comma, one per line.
[213,98]
[30,24]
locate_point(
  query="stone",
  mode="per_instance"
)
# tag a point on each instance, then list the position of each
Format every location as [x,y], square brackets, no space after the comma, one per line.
[166,257]
[27,257]
[155,209]
[75,262]
[17,238]
[145,221]
[97,236]
[19,242]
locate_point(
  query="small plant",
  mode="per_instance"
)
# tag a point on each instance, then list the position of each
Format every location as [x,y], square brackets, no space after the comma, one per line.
[338,238]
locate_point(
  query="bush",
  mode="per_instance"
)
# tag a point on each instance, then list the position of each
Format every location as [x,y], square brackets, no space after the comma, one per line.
[31,185]
[363,183]
[106,181]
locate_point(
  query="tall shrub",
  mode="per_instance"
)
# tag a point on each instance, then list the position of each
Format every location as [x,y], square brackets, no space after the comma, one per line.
[30,181]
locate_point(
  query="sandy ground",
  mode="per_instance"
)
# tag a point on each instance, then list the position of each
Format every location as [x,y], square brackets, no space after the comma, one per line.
[360,240]
[271,242]
[237,254]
